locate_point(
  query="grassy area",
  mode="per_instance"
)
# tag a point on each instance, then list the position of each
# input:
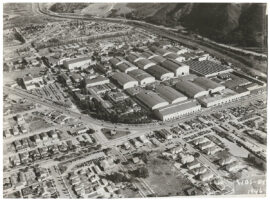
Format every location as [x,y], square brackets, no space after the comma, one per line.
[128,193]
[118,133]
[164,179]
[23,13]
[38,124]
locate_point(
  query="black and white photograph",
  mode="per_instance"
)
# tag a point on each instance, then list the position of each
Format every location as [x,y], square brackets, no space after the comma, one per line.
[145,100]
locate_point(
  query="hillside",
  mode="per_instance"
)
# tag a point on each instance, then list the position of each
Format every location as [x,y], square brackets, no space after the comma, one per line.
[239,24]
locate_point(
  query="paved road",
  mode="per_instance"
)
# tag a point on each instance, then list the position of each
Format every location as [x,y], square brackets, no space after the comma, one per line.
[135,127]
[60,183]
[143,186]
[19,137]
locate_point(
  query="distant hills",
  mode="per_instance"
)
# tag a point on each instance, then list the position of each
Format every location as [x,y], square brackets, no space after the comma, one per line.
[243,24]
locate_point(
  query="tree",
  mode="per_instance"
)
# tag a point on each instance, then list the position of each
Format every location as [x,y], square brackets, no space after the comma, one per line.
[117,177]
[141,172]
[197,155]
[98,147]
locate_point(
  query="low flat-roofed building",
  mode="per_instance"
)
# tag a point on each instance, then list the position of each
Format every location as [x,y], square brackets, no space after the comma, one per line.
[208,84]
[142,77]
[28,79]
[66,79]
[233,81]
[117,96]
[31,81]
[151,99]
[101,89]
[160,73]
[202,56]
[219,99]
[233,166]
[226,160]
[76,77]
[71,64]
[199,170]
[207,68]
[170,94]
[252,86]
[178,50]
[100,80]
[200,140]
[206,176]
[102,68]
[191,55]
[190,89]
[194,164]
[179,69]
[37,78]
[211,150]
[144,63]
[177,110]
[124,80]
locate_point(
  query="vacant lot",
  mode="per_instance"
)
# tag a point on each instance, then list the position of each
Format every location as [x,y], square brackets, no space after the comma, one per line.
[164,179]
[117,134]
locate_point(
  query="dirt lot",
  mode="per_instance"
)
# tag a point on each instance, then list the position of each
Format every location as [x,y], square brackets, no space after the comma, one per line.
[38,124]
[12,76]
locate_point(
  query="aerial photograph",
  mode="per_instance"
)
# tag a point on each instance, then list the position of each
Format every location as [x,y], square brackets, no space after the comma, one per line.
[134,100]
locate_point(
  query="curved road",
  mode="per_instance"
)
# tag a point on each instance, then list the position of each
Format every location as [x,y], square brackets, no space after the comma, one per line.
[218,50]
[132,127]
[87,119]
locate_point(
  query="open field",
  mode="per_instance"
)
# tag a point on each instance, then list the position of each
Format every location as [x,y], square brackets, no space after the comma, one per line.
[25,13]
[165,179]
[117,134]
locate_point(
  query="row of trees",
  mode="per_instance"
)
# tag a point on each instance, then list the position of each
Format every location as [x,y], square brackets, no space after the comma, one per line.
[117,177]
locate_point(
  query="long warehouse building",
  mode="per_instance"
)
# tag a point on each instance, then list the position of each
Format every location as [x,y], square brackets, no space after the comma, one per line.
[160,73]
[190,89]
[208,84]
[157,59]
[151,99]
[167,54]
[174,111]
[227,96]
[144,63]
[133,57]
[124,80]
[122,65]
[82,62]
[179,69]
[142,77]
[170,94]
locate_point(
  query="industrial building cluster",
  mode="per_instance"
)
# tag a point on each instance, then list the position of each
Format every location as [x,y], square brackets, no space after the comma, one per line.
[166,80]
[136,73]
[112,108]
